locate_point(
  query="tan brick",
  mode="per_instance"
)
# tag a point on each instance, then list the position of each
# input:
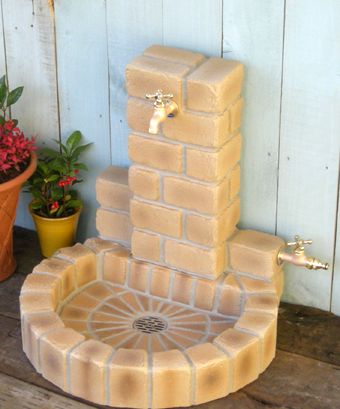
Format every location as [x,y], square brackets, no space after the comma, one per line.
[146,246]
[160,282]
[84,260]
[235,181]
[182,286]
[144,183]
[145,75]
[209,199]
[255,286]
[174,55]
[112,190]
[53,350]
[212,372]
[87,364]
[32,327]
[194,259]
[262,303]
[214,85]
[205,294]
[210,231]
[60,268]
[115,266]
[278,282]
[264,326]
[139,113]
[156,154]
[158,219]
[171,377]
[128,379]
[139,275]
[114,225]
[198,129]
[245,356]
[231,297]
[35,302]
[43,284]
[99,245]
[213,166]
[255,252]
[236,115]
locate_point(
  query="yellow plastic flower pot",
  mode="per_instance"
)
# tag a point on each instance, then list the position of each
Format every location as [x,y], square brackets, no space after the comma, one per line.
[55,233]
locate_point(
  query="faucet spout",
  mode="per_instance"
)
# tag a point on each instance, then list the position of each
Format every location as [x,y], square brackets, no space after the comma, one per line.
[159,116]
[163,108]
[298,256]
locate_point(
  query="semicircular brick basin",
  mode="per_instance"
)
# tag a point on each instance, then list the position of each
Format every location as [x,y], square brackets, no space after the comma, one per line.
[116,331]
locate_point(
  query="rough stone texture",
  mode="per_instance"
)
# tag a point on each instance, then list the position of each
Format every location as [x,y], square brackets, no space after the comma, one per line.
[112,190]
[255,253]
[114,225]
[214,85]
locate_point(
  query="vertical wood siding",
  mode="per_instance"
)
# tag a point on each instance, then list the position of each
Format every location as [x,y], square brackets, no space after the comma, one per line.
[74,79]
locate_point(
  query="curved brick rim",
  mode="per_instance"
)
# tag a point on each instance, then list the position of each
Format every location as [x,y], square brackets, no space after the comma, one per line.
[62,348]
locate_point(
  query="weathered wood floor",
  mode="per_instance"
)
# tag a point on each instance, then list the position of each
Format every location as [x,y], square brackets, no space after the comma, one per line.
[304,375]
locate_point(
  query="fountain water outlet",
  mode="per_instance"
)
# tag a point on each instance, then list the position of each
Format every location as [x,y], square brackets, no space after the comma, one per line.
[171,305]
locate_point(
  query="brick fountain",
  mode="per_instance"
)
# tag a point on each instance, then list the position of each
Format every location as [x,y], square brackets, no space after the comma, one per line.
[171,305]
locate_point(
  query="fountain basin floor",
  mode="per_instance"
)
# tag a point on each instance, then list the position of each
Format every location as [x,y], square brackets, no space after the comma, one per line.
[117,331]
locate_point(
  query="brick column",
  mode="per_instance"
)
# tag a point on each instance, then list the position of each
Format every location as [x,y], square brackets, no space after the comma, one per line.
[185,180]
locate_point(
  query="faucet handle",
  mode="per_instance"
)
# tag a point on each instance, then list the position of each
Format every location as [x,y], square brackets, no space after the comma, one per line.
[160,98]
[298,244]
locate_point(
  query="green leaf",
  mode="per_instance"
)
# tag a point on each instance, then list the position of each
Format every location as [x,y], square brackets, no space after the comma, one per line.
[53,178]
[73,140]
[3,91]
[14,95]
[76,153]
[74,203]
[43,168]
[80,166]
[2,120]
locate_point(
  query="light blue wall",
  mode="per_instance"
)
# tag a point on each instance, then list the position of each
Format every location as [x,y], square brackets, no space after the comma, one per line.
[72,66]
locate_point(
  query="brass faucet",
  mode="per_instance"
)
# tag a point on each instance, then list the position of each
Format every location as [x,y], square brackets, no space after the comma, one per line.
[163,108]
[298,256]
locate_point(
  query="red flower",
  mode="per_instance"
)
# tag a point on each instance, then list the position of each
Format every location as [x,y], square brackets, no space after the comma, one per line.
[54,205]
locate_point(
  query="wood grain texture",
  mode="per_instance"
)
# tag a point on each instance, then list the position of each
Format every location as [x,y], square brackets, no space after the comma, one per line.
[14,392]
[253,34]
[30,53]
[2,46]
[335,297]
[193,24]
[309,154]
[132,26]
[83,91]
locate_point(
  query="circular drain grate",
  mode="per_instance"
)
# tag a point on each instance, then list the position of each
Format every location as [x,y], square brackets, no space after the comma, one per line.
[150,324]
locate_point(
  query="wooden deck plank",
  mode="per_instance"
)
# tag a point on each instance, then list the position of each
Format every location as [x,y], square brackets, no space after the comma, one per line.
[18,394]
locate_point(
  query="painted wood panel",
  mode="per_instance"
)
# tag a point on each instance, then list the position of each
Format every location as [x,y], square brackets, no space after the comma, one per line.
[253,34]
[83,91]
[2,47]
[335,296]
[310,128]
[193,24]
[29,38]
[131,26]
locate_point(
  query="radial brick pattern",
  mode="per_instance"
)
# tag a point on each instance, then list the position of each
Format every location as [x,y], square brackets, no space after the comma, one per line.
[126,319]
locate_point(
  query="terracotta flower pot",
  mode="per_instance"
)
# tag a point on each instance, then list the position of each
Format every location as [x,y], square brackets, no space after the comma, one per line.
[9,195]
[55,233]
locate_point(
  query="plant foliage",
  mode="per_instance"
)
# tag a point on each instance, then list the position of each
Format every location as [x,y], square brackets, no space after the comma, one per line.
[52,184]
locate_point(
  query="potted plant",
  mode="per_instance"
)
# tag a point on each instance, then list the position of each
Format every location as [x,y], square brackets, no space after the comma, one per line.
[56,207]
[17,163]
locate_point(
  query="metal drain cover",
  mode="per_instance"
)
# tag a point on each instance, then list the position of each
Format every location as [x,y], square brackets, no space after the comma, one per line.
[150,324]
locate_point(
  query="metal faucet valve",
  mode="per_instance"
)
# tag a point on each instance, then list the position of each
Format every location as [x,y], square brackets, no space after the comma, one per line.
[161,100]
[298,244]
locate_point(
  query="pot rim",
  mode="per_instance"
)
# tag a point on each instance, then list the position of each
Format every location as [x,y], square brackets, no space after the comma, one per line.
[20,179]
[54,219]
